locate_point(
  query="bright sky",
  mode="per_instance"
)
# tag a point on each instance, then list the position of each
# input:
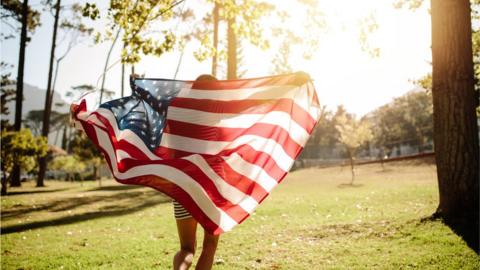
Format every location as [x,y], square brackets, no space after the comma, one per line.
[342,72]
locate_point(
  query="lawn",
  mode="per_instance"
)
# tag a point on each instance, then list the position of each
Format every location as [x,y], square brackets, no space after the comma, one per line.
[310,221]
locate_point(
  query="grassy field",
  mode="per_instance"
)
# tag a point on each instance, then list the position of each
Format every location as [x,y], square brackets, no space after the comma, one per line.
[310,221]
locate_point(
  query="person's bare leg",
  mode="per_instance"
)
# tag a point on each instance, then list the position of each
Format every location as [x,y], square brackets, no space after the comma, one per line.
[187,229]
[209,247]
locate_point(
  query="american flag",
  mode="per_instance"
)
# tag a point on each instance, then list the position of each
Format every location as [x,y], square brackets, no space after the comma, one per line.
[216,147]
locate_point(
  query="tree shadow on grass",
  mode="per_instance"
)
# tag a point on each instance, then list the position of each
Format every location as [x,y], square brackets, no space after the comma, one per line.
[115,205]
[35,191]
[116,188]
[465,227]
[348,185]
[70,203]
[76,218]
[468,232]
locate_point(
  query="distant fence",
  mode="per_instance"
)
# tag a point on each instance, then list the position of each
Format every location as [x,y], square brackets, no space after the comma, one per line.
[415,156]
[325,163]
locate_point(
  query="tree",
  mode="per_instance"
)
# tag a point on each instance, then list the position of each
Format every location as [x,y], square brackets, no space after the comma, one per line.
[134,19]
[455,121]
[353,134]
[405,120]
[86,151]
[34,118]
[12,11]
[29,20]
[243,24]
[7,93]
[70,164]
[47,110]
[20,148]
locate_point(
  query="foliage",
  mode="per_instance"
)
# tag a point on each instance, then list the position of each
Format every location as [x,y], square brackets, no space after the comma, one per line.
[73,29]
[281,61]
[247,15]
[406,120]
[368,25]
[7,93]
[134,19]
[288,36]
[410,4]
[69,164]
[13,9]
[425,82]
[353,133]
[34,119]
[21,148]
[325,133]
[85,150]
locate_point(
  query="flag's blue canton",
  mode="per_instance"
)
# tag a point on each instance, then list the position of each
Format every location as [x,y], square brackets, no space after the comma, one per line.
[145,111]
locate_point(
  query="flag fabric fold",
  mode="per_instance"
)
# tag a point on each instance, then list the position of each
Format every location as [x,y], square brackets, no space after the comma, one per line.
[216,147]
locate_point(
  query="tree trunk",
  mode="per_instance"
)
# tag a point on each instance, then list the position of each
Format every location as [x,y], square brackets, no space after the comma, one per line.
[231,51]
[4,181]
[64,138]
[4,185]
[15,177]
[455,122]
[215,39]
[95,175]
[94,172]
[48,105]
[352,165]
[21,67]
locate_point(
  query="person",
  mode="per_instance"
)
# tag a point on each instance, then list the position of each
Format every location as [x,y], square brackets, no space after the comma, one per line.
[187,228]
[187,231]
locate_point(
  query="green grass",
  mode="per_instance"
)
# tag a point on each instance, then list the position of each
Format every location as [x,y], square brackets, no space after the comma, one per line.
[310,221]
